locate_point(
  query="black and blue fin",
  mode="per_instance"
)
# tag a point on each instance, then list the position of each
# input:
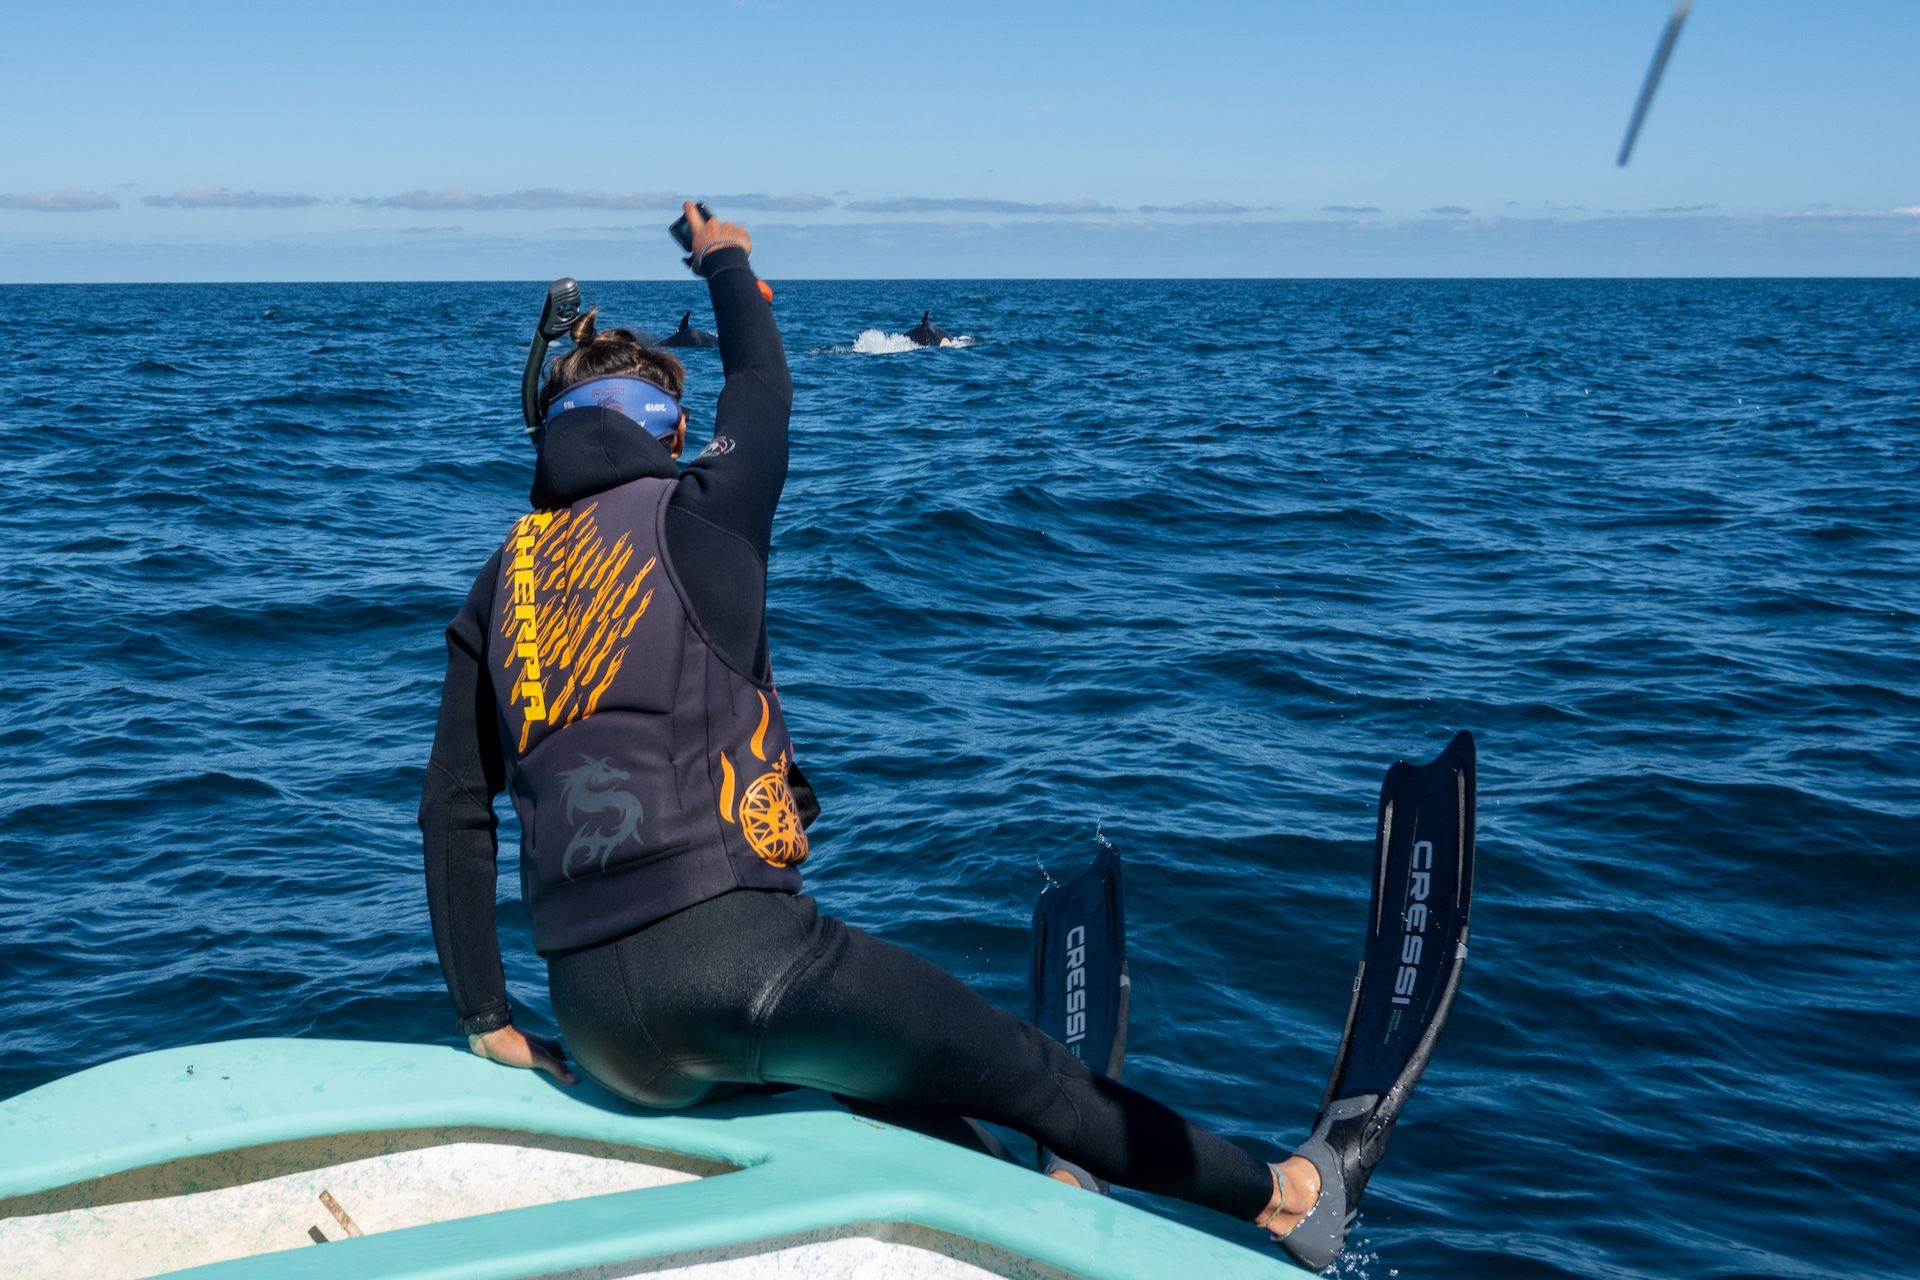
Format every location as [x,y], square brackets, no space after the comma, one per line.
[1416,945]
[1080,985]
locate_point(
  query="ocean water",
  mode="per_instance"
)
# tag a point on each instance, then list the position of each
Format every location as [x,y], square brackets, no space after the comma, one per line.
[1182,566]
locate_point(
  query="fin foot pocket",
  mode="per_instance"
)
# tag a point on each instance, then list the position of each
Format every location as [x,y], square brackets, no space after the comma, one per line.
[1052,1164]
[1416,945]
[1332,1149]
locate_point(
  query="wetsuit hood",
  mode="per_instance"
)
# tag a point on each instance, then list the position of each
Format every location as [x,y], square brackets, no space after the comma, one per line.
[590,450]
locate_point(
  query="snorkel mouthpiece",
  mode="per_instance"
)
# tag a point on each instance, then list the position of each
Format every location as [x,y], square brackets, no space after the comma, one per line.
[562,308]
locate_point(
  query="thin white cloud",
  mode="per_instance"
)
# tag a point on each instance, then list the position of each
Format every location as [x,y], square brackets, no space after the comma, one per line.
[760,202]
[530,198]
[1208,207]
[976,204]
[228,198]
[1349,208]
[69,200]
[1831,213]
[547,198]
[1449,210]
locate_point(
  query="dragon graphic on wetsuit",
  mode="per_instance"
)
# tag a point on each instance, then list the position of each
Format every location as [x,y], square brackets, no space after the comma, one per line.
[587,790]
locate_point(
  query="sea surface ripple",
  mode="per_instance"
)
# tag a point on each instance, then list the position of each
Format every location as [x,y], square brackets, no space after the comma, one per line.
[1176,565]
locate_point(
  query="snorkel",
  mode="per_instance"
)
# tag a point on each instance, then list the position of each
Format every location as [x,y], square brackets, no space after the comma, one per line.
[556,317]
[629,393]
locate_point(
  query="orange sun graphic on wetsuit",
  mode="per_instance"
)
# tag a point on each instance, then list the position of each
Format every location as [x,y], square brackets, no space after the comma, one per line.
[771,821]
[768,816]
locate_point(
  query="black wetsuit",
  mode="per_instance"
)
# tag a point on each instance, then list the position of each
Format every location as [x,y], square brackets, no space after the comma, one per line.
[754,987]
[719,530]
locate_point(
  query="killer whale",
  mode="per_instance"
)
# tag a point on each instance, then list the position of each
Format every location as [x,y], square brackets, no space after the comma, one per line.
[927,333]
[688,336]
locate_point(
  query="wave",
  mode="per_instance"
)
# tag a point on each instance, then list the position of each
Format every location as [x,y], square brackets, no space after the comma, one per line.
[151,366]
[338,398]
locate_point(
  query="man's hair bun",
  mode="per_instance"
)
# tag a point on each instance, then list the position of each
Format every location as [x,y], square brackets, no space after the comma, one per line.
[582,329]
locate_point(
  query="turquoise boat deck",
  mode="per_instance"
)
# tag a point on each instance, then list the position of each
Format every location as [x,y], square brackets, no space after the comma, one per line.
[151,1156]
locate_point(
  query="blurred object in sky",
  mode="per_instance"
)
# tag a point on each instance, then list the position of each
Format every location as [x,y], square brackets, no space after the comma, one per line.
[1668,39]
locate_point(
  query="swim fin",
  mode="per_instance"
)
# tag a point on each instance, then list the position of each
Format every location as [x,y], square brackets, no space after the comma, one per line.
[1080,985]
[1416,945]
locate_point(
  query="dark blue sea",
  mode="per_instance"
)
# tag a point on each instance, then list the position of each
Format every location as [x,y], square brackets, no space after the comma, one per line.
[1182,566]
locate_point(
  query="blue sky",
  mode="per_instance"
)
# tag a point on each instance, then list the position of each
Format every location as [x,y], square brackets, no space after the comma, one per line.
[439,141]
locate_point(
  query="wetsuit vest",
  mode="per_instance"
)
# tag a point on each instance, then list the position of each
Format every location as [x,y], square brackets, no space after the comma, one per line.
[649,773]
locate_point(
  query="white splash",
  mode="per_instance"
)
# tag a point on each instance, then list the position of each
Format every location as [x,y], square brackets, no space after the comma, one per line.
[878,342]
[875,342]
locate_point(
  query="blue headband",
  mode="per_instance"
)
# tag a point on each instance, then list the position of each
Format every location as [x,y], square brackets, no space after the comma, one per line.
[646,403]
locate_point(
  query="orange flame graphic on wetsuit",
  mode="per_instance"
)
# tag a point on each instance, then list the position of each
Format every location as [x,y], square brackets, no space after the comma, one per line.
[768,816]
[726,788]
[578,605]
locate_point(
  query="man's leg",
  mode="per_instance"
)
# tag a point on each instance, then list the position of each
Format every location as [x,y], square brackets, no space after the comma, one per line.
[867,1019]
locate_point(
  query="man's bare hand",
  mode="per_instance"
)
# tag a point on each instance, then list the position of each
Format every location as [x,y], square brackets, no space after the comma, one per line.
[511,1047]
[714,233]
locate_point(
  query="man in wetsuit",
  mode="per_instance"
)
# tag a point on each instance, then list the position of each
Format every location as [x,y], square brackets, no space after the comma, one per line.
[610,670]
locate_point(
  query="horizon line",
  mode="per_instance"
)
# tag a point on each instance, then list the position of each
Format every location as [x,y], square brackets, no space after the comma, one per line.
[1171,279]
